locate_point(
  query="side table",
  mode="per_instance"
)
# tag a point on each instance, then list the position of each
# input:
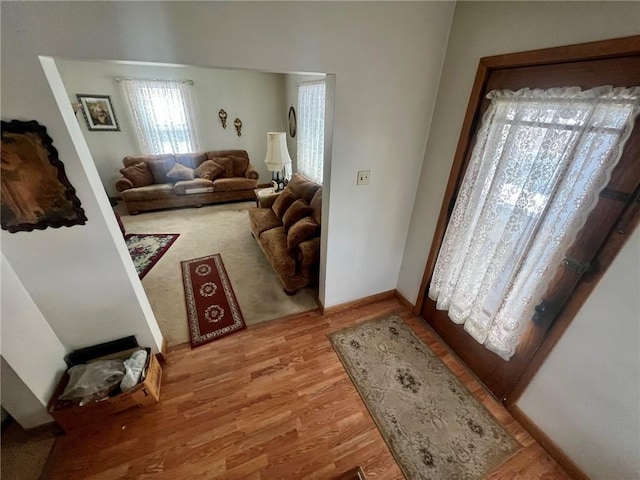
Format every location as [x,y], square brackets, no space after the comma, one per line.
[262,193]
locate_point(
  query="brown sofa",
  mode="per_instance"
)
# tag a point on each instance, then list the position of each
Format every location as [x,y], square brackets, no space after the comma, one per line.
[145,184]
[287,228]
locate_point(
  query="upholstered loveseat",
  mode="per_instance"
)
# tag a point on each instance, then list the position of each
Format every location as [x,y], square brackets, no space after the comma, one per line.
[151,182]
[287,228]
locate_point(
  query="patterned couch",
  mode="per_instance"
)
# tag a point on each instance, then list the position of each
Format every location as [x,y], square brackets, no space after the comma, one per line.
[152,182]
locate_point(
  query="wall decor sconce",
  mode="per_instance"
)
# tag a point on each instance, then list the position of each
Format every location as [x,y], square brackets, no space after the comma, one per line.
[223,117]
[238,124]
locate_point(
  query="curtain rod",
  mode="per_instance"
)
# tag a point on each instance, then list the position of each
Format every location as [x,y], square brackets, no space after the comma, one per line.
[119,79]
[312,82]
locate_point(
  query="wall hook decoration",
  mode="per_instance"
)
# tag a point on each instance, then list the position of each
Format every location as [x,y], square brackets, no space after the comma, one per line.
[238,124]
[223,117]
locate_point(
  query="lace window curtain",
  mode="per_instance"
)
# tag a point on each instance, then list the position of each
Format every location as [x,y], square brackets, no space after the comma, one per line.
[310,144]
[540,160]
[162,115]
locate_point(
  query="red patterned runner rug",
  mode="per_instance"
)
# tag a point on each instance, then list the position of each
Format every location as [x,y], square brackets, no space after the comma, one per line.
[212,308]
[147,248]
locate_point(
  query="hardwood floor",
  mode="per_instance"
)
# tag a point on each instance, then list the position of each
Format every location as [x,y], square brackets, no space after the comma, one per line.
[270,402]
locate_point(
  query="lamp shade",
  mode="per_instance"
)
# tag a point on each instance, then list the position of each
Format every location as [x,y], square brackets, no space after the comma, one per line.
[277,154]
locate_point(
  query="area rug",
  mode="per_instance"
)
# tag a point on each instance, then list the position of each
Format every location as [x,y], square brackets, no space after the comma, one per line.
[212,308]
[146,249]
[433,425]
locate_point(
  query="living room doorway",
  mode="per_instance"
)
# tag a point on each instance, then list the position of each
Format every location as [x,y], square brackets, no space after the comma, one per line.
[261,102]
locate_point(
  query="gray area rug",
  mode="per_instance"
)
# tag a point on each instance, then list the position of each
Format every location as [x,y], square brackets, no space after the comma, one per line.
[433,425]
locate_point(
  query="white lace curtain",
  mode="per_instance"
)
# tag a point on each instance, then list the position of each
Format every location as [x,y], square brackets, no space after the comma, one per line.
[540,160]
[310,118]
[162,116]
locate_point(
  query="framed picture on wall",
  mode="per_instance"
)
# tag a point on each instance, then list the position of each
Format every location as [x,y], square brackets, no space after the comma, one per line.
[98,112]
[36,193]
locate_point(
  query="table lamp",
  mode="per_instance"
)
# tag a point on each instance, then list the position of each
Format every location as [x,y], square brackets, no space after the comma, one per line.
[278,159]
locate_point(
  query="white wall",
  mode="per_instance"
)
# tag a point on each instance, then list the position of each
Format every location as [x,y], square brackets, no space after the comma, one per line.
[586,395]
[386,57]
[81,277]
[30,348]
[19,400]
[481,29]
[256,98]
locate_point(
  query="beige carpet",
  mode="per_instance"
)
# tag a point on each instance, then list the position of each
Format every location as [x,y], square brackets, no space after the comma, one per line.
[204,231]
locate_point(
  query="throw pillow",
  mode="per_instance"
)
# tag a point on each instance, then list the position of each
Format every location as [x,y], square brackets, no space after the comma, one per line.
[295,212]
[180,172]
[139,174]
[160,168]
[283,202]
[316,206]
[209,170]
[191,160]
[240,165]
[302,230]
[226,163]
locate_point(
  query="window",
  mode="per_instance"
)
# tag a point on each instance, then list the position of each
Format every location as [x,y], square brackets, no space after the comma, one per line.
[310,144]
[161,113]
[540,160]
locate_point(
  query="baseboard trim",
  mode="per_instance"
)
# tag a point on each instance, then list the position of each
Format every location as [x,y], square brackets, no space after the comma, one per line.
[162,354]
[357,303]
[549,445]
[49,428]
[320,305]
[403,300]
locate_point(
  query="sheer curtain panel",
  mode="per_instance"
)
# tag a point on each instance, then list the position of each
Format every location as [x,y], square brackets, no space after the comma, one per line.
[310,145]
[162,116]
[540,161]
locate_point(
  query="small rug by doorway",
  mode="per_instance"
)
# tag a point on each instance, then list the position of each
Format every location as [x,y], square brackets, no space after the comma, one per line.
[432,424]
[212,308]
[146,249]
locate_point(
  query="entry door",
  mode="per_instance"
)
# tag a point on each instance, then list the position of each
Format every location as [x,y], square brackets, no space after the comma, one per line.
[587,66]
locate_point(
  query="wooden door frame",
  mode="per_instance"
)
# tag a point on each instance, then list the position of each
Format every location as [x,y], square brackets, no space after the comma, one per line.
[618,47]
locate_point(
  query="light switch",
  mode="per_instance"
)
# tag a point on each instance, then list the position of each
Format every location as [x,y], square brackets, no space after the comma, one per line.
[363,177]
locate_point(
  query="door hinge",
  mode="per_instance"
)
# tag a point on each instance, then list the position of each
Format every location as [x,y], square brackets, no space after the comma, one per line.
[542,310]
[576,265]
[545,312]
[616,195]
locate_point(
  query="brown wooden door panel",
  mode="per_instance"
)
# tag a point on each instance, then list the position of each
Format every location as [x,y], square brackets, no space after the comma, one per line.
[542,69]
[484,363]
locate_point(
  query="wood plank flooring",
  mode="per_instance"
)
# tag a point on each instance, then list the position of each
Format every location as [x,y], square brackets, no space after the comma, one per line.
[270,402]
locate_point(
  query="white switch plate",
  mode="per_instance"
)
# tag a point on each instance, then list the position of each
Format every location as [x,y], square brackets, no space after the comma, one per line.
[363,177]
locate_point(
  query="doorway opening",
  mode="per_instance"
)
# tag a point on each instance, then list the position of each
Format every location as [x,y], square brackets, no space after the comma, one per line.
[251,103]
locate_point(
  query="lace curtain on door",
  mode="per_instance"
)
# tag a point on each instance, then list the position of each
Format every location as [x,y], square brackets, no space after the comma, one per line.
[161,111]
[310,145]
[540,160]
